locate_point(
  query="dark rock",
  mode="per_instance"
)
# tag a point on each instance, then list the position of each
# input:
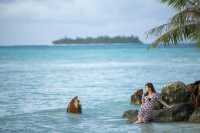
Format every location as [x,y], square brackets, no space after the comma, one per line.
[195,117]
[182,97]
[74,106]
[175,93]
[136,98]
[179,112]
[130,115]
[194,90]
[157,105]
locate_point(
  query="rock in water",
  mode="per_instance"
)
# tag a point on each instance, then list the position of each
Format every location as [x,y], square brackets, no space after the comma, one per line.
[175,93]
[157,105]
[194,90]
[195,117]
[179,112]
[74,106]
[136,98]
[130,115]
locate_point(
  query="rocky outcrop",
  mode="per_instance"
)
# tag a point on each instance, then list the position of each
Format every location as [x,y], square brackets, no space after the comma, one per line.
[179,112]
[74,106]
[195,117]
[172,93]
[157,105]
[130,115]
[136,98]
[194,90]
[185,101]
[175,93]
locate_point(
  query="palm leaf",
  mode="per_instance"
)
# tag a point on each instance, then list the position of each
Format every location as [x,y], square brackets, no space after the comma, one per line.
[185,25]
[179,4]
[186,16]
[156,31]
[177,34]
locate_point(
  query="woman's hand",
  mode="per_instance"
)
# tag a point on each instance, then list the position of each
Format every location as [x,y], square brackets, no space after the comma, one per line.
[165,104]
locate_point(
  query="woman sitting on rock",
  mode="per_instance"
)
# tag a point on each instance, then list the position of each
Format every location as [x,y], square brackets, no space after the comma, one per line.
[148,101]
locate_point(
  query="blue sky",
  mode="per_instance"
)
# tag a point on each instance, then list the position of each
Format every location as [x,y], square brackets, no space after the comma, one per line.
[42,21]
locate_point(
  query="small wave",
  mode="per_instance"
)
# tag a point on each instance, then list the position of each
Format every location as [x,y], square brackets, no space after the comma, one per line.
[111,118]
[180,60]
[106,64]
[35,112]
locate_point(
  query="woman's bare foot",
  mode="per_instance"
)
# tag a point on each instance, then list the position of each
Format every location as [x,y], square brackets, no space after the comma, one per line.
[138,122]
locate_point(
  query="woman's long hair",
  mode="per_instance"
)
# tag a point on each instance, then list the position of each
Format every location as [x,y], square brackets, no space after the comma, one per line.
[150,85]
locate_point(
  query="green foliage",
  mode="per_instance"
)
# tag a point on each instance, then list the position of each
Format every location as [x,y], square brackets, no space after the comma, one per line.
[184,25]
[100,39]
[176,3]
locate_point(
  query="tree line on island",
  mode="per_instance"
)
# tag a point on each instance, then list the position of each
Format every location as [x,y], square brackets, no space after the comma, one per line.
[99,39]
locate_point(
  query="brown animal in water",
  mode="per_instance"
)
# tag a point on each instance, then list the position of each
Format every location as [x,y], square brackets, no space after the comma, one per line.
[74,106]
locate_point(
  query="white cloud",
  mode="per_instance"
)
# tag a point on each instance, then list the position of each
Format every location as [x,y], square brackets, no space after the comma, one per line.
[78,18]
[55,10]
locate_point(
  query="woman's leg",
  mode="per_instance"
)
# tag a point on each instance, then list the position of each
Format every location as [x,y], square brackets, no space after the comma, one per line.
[141,115]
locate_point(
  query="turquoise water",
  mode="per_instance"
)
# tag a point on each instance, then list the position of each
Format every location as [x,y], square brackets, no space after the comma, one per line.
[36,82]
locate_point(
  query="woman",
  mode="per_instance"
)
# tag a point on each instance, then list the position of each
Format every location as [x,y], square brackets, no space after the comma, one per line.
[148,101]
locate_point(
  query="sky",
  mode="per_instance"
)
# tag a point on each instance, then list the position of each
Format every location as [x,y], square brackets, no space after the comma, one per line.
[37,22]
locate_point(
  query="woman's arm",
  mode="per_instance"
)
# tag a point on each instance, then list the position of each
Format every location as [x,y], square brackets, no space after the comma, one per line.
[143,99]
[165,104]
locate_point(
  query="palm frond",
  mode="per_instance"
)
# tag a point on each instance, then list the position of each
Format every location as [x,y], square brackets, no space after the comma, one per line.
[179,4]
[184,25]
[186,16]
[156,31]
[176,3]
[177,34]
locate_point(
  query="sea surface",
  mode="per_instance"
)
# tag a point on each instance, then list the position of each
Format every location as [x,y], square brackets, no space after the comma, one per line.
[37,82]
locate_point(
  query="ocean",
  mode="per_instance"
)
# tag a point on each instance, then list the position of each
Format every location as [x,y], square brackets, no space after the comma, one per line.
[37,82]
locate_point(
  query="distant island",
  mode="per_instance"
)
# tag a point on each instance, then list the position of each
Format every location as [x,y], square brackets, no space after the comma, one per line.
[98,40]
